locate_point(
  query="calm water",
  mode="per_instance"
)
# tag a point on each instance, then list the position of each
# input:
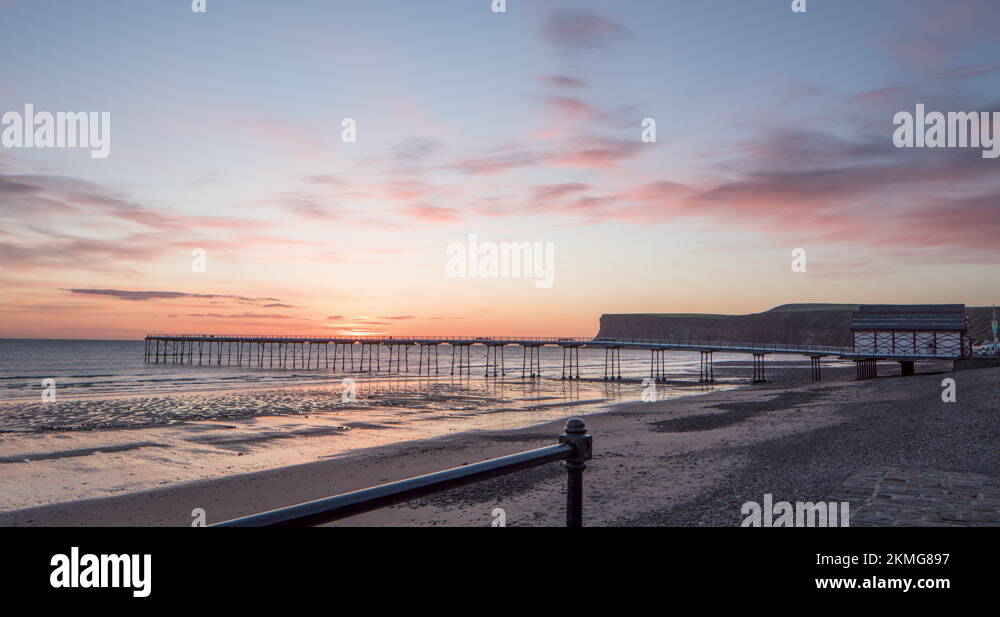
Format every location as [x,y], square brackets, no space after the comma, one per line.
[112,368]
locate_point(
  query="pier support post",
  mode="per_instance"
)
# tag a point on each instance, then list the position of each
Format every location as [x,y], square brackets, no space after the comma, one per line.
[574,357]
[906,368]
[707,374]
[612,358]
[867,369]
[493,352]
[530,361]
[758,368]
[815,366]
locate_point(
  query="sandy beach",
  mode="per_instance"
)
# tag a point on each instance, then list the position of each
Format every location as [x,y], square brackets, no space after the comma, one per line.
[687,461]
[200,424]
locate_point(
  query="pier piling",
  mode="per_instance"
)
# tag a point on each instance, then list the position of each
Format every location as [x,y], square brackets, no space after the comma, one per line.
[707,372]
[272,352]
[758,368]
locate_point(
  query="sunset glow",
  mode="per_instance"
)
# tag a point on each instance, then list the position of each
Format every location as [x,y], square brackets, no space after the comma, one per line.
[226,137]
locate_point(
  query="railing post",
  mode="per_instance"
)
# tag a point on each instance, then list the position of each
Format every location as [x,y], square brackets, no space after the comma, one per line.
[576,435]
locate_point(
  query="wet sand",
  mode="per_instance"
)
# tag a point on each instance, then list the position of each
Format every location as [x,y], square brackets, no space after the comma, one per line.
[686,461]
[77,449]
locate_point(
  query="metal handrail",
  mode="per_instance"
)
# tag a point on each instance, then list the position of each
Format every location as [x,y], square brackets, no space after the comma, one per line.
[575,447]
[374,338]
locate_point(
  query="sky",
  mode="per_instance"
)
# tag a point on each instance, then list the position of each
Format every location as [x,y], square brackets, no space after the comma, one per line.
[774,132]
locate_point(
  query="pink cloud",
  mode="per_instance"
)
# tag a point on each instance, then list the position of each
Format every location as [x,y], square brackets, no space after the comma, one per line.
[433,213]
[882,95]
[581,29]
[553,191]
[594,153]
[572,109]
[498,161]
[562,81]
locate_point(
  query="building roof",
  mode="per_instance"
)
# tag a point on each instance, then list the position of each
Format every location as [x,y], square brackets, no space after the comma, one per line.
[909,317]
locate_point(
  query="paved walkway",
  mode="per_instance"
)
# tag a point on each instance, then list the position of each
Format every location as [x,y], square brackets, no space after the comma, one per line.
[892,496]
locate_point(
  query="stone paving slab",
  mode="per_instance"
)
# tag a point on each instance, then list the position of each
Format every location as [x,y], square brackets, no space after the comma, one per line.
[893,496]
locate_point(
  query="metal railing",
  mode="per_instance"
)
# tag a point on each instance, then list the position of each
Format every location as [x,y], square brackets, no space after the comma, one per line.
[372,338]
[575,447]
[676,344]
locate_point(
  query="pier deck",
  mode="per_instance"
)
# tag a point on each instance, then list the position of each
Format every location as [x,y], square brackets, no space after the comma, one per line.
[313,352]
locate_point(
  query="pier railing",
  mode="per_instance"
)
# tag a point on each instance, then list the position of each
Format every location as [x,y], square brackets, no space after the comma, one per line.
[575,447]
[372,338]
[678,344]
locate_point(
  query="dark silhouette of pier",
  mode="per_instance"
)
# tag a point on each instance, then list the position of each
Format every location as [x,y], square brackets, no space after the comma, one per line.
[391,354]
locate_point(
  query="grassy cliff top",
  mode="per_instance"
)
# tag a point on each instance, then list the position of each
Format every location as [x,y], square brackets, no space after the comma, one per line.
[784,308]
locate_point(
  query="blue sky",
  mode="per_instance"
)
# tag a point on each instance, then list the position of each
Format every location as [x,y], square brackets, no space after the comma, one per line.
[773,133]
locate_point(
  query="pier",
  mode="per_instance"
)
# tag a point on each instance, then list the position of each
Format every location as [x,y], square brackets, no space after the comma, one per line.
[391,354]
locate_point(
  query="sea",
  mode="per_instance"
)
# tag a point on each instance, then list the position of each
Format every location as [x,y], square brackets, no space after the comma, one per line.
[84,368]
[107,384]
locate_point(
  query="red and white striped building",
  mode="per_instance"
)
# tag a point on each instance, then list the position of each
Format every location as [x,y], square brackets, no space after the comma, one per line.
[911,331]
